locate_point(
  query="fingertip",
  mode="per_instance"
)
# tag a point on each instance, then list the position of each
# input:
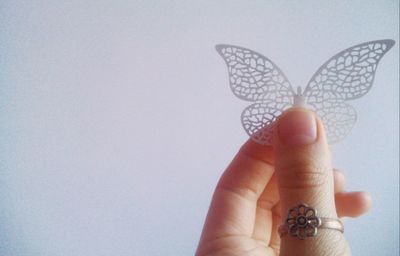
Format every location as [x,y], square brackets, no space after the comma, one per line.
[362,200]
[297,127]
[353,204]
[365,200]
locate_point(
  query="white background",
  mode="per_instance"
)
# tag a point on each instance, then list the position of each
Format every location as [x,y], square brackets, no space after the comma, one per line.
[117,118]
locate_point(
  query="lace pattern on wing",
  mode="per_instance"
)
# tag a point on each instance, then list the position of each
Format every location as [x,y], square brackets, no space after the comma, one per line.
[349,73]
[258,119]
[253,77]
[338,118]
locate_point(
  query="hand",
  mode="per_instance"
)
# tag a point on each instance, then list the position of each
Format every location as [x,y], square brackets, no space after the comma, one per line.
[263,182]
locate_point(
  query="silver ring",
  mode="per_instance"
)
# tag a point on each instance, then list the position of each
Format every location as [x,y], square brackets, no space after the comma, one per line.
[302,221]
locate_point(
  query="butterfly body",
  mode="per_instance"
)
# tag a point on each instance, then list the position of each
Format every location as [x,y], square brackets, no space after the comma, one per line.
[346,76]
[298,99]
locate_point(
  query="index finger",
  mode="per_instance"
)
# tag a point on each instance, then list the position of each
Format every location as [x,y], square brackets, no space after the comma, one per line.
[233,207]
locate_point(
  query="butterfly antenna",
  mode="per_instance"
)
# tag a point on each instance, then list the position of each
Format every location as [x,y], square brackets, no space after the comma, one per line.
[298,90]
[299,100]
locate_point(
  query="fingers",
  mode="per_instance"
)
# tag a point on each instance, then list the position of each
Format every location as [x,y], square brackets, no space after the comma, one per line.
[275,240]
[234,203]
[264,214]
[302,162]
[267,210]
[304,174]
[352,204]
[349,204]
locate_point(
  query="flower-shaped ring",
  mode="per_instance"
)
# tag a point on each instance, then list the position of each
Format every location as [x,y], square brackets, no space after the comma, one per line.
[302,222]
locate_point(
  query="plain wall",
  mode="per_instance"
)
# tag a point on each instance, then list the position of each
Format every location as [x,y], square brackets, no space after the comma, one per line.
[117,118]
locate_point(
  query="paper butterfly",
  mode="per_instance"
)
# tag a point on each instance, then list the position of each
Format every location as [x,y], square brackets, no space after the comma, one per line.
[346,76]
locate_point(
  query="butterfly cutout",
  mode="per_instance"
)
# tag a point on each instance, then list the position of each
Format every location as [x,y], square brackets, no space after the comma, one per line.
[346,76]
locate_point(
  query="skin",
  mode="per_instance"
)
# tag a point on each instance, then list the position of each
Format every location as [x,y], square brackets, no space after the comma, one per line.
[261,183]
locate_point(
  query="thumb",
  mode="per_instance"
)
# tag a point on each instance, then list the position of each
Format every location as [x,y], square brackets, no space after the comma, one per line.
[304,172]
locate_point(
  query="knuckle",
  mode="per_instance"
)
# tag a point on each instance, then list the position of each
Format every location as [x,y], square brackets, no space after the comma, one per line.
[303,175]
[266,203]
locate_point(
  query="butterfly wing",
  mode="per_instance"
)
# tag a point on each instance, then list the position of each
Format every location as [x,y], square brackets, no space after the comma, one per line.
[253,77]
[258,119]
[347,75]
[337,116]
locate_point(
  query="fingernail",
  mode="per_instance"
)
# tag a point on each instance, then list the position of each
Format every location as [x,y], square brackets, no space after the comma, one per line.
[297,127]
